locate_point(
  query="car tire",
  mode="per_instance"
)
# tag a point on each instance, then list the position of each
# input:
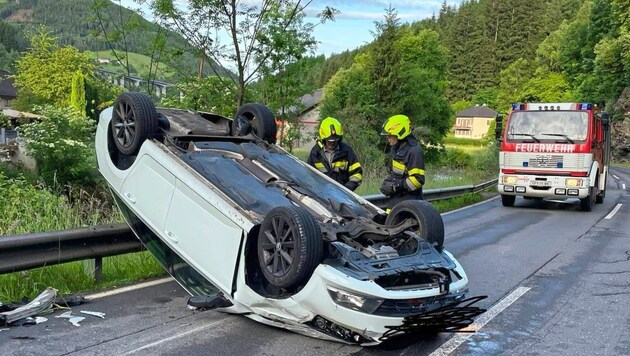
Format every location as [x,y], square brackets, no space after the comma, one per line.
[134,119]
[261,119]
[430,223]
[290,246]
[508,200]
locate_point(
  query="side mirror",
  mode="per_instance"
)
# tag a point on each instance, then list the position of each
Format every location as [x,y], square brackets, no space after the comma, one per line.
[605,121]
[498,129]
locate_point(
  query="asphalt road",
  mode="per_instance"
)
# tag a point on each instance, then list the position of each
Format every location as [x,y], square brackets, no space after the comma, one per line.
[557,281]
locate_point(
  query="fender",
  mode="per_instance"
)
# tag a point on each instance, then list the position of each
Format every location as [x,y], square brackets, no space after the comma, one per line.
[602,179]
[592,176]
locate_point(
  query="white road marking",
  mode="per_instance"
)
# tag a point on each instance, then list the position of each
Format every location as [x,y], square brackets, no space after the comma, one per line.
[175,336]
[470,206]
[613,212]
[459,338]
[128,288]
[615,177]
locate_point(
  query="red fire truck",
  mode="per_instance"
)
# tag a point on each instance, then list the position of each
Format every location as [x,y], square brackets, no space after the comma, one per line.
[554,151]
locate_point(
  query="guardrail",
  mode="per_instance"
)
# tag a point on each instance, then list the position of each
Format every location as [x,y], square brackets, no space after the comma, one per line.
[23,252]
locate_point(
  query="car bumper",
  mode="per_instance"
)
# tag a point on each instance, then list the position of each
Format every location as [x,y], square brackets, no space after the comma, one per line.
[313,312]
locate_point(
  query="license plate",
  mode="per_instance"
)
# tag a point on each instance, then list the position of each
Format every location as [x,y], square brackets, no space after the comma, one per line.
[540,183]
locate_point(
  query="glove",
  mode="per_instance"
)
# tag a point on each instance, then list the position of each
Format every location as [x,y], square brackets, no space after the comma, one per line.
[392,185]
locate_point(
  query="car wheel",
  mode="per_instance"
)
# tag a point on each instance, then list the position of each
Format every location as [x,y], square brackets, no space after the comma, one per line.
[134,119]
[508,200]
[290,246]
[258,118]
[429,221]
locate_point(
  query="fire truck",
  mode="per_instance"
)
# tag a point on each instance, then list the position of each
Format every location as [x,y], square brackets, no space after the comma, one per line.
[554,151]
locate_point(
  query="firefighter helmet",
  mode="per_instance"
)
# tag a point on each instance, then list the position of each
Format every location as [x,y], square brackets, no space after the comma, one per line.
[330,127]
[397,125]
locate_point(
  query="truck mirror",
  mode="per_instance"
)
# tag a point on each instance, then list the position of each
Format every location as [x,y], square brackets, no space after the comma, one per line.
[605,120]
[498,129]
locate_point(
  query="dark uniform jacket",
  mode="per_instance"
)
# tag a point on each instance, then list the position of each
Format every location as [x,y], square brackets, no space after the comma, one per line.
[407,170]
[344,167]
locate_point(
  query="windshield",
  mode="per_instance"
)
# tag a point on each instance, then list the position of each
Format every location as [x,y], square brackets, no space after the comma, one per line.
[536,126]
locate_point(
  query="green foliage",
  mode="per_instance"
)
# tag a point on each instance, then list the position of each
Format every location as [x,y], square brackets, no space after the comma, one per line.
[45,72]
[379,84]
[61,143]
[456,158]
[213,94]
[462,141]
[77,95]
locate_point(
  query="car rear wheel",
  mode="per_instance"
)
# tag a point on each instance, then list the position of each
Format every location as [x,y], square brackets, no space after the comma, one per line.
[134,119]
[290,246]
[429,223]
[257,119]
[508,200]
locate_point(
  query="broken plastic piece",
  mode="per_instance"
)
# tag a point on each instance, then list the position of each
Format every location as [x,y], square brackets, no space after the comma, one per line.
[41,303]
[74,320]
[93,313]
[70,301]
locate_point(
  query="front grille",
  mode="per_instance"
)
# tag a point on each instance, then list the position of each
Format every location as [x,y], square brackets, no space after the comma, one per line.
[546,161]
[406,307]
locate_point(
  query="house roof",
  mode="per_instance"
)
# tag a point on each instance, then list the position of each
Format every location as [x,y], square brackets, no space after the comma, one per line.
[309,100]
[477,111]
[6,85]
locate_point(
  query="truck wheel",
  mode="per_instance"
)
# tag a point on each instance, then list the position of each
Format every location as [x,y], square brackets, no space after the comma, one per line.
[429,224]
[134,119]
[586,203]
[508,200]
[599,198]
[290,246]
[257,119]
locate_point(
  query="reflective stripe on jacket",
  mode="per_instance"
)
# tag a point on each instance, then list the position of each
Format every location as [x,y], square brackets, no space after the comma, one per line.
[408,164]
[344,167]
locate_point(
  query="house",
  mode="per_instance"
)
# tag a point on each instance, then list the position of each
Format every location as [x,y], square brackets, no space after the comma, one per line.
[7,90]
[308,114]
[103,60]
[473,122]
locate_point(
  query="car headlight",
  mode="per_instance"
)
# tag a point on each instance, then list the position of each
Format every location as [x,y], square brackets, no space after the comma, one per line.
[354,301]
[573,182]
[511,180]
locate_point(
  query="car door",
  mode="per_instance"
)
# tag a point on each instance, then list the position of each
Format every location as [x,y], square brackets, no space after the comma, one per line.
[148,191]
[208,240]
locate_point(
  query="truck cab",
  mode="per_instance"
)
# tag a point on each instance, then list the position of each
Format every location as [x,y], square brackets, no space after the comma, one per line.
[554,151]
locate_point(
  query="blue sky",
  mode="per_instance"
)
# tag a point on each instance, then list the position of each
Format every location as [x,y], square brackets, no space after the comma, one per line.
[353,25]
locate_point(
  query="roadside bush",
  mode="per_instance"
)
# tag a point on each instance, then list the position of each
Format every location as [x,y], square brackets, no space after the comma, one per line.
[456,158]
[452,140]
[61,143]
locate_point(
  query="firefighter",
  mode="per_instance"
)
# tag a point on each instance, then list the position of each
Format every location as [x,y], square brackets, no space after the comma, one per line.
[335,158]
[407,170]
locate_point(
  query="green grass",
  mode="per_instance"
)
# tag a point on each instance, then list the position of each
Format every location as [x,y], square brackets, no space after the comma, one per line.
[622,164]
[69,278]
[137,61]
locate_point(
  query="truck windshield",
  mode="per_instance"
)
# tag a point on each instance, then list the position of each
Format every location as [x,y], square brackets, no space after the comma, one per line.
[535,126]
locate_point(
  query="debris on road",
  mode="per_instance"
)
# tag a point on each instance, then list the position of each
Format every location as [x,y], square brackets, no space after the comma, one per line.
[40,304]
[73,319]
[93,313]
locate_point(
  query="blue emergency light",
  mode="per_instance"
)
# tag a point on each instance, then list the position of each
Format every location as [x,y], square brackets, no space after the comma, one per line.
[517,106]
[586,106]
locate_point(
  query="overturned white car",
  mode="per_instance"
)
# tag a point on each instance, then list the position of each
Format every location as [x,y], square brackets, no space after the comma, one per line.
[252,230]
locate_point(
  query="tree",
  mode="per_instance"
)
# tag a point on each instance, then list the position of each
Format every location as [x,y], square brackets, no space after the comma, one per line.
[77,96]
[207,23]
[44,73]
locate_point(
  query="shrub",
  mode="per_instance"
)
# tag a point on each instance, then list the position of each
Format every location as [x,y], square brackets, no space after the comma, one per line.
[61,143]
[456,158]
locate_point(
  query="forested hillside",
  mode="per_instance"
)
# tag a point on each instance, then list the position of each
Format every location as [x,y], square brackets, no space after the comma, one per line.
[95,26]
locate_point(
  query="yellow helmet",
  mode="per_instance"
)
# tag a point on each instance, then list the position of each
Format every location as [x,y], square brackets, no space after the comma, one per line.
[329,127]
[397,125]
